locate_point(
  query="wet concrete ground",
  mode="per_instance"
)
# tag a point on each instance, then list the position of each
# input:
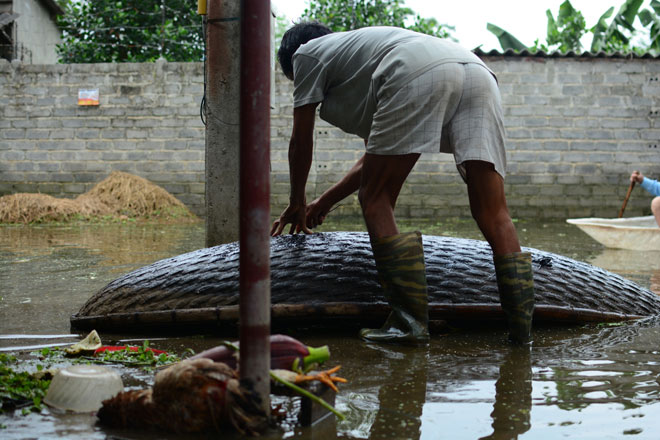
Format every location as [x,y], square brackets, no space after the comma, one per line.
[585,382]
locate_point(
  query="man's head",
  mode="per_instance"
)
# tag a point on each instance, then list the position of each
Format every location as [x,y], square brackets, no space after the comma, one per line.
[293,38]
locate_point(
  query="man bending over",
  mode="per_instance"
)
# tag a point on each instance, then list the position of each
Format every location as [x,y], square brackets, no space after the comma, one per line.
[405,94]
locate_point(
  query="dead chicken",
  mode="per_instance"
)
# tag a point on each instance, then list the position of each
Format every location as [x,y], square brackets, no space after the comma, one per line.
[191,396]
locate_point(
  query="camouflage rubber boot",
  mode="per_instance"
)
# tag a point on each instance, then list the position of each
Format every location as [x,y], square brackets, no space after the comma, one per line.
[402,274]
[515,282]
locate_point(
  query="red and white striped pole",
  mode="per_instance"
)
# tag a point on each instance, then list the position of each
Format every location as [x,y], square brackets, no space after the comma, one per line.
[255,196]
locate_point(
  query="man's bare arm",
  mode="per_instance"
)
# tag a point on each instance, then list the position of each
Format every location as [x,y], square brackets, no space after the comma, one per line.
[301,148]
[319,208]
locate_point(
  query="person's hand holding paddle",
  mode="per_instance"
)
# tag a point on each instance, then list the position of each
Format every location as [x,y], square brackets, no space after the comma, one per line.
[635,177]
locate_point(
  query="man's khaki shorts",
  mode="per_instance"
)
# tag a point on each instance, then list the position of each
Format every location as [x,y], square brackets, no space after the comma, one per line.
[452,108]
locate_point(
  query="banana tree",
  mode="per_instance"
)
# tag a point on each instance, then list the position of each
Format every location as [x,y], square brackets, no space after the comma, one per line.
[608,35]
[567,30]
[611,37]
[651,19]
[507,41]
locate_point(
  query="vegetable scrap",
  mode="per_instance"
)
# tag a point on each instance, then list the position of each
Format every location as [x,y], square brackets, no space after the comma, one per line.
[91,349]
[325,377]
[20,390]
[199,394]
[130,348]
[285,353]
[203,394]
[91,342]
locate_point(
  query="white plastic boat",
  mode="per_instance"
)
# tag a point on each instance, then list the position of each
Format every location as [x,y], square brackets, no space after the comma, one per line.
[636,233]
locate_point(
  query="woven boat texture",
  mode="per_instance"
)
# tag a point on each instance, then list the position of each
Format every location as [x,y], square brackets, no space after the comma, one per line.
[319,273]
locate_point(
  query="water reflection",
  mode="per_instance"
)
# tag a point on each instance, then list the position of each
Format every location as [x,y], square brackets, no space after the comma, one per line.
[640,266]
[419,392]
[513,396]
[600,382]
[577,382]
[387,389]
[116,245]
[402,394]
[48,272]
[655,282]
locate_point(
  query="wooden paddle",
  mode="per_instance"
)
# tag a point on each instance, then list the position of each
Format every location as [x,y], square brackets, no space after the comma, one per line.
[625,201]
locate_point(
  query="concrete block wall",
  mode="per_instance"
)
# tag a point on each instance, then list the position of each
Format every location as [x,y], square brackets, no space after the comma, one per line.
[147,124]
[576,129]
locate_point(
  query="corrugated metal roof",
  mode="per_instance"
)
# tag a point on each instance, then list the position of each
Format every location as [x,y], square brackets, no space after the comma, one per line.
[556,54]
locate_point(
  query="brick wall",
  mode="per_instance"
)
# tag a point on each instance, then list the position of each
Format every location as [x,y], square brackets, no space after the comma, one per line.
[147,124]
[576,129]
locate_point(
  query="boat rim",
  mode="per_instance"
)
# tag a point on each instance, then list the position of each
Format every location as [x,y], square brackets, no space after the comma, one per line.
[617,223]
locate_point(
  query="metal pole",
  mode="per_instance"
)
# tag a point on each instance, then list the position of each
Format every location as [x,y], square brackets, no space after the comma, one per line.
[255,197]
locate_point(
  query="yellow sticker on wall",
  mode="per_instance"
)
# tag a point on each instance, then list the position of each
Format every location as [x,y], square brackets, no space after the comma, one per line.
[88,97]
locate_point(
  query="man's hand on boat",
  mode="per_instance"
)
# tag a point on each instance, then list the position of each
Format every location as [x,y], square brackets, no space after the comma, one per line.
[294,215]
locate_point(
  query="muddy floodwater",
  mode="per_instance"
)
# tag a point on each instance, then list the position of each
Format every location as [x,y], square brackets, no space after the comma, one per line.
[587,382]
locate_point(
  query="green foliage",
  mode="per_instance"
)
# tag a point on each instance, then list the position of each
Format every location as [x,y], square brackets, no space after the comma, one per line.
[651,18]
[430,26]
[98,31]
[565,32]
[507,41]
[280,25]
[612,33]
[345,15]
[19,389]
[143,357]
[616,35]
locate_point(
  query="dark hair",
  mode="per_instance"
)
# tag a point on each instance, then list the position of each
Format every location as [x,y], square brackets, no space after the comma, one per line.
[296,36]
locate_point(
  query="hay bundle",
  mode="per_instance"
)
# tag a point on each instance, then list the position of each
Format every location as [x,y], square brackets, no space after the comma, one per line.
[119,195]
[133,196]
[29,208]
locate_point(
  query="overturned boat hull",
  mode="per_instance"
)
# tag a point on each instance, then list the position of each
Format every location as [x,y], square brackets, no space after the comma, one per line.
[329,280]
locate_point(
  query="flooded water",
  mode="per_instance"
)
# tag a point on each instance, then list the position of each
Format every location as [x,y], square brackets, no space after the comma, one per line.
[600,382]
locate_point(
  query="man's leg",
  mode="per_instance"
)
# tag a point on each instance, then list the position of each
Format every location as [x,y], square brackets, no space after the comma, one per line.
[655,208]
[488,206]
[512,267]
[399,257]
[382,179]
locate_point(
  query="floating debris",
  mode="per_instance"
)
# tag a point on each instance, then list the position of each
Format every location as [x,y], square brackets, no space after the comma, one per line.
[91,342]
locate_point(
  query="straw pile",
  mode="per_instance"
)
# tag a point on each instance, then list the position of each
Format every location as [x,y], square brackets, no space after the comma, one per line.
[120,195]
